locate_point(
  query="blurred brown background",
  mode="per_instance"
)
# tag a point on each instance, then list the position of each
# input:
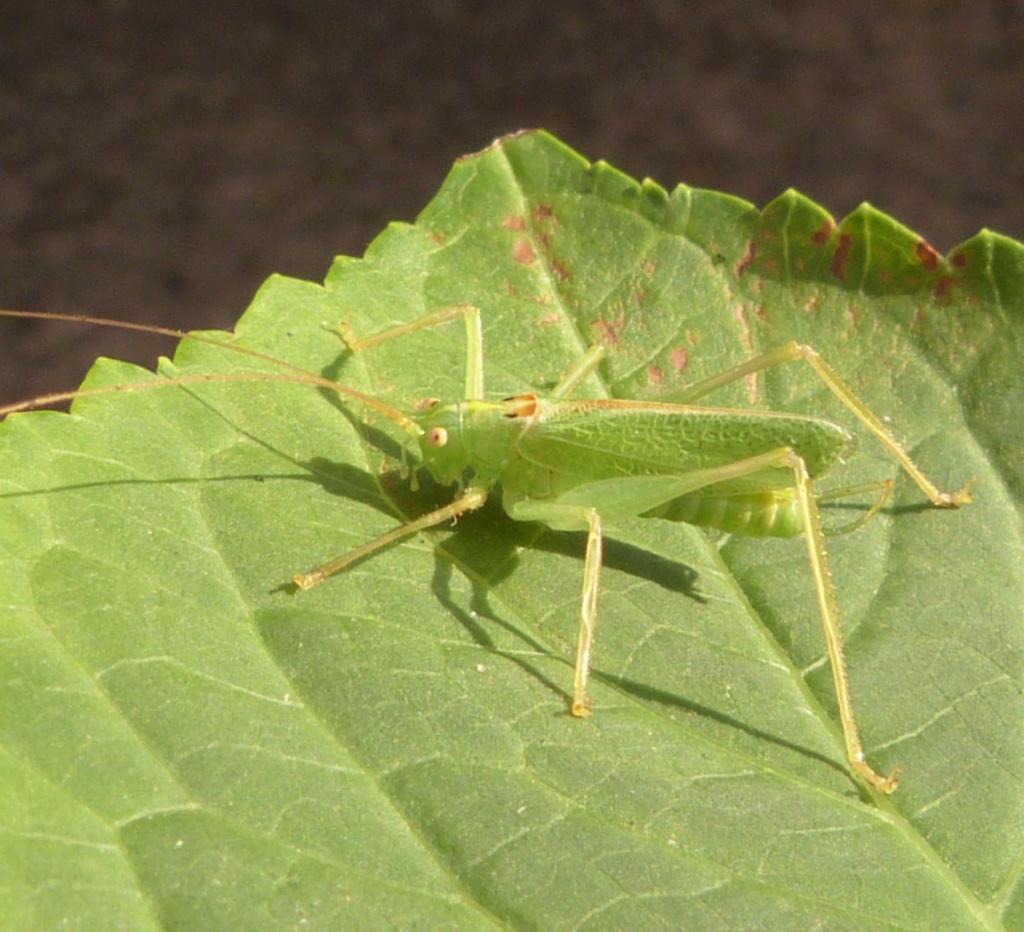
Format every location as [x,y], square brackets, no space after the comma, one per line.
[158,163]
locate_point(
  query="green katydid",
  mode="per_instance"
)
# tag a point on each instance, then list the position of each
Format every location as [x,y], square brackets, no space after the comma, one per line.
[578,465]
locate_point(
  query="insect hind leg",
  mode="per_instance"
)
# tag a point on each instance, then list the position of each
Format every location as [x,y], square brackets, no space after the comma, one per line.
[792,352]
[883,488]
[829,612]
[810,525]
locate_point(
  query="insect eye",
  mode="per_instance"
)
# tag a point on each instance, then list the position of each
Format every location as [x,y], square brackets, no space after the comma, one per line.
[437,437]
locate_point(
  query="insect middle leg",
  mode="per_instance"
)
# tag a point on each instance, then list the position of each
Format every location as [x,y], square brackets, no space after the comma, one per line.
[588,614]
[640,495]
[568,516]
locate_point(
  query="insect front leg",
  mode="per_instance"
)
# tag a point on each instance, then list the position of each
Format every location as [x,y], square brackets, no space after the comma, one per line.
[474,390]
[469,500]
[793,351]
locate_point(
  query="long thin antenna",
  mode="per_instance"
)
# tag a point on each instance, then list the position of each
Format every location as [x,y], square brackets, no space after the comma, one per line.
[301,375]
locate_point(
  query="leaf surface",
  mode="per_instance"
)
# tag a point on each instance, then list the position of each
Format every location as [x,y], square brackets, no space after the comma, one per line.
[185,742]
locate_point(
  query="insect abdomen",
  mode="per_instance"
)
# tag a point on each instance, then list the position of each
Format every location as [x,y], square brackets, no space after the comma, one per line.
[759,514]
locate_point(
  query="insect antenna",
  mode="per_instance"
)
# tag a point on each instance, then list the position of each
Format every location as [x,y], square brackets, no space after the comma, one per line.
[295,374]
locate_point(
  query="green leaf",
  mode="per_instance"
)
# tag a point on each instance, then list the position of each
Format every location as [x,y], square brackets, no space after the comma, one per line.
[185,742]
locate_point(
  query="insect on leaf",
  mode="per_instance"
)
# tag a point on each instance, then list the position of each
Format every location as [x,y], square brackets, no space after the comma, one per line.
[188,742]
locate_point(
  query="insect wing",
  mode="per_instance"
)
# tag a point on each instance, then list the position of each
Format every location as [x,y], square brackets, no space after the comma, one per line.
[578,442]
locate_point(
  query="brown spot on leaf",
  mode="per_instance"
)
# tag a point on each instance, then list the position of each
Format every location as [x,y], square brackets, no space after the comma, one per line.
[678,359]
[960,260]
[927,255]
[543,212]
[514,222]
[561,272]
[811,305]
[549,319]
[821,235]
[437,237]
[746,259]
[740,313]
[942,285]
[838,264]
[761,312]
[654,374]
[608,331]
[647,267]
[523,252]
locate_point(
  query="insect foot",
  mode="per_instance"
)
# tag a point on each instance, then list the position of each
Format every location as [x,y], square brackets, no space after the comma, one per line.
[956,499]
[580,709]
[874,779]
